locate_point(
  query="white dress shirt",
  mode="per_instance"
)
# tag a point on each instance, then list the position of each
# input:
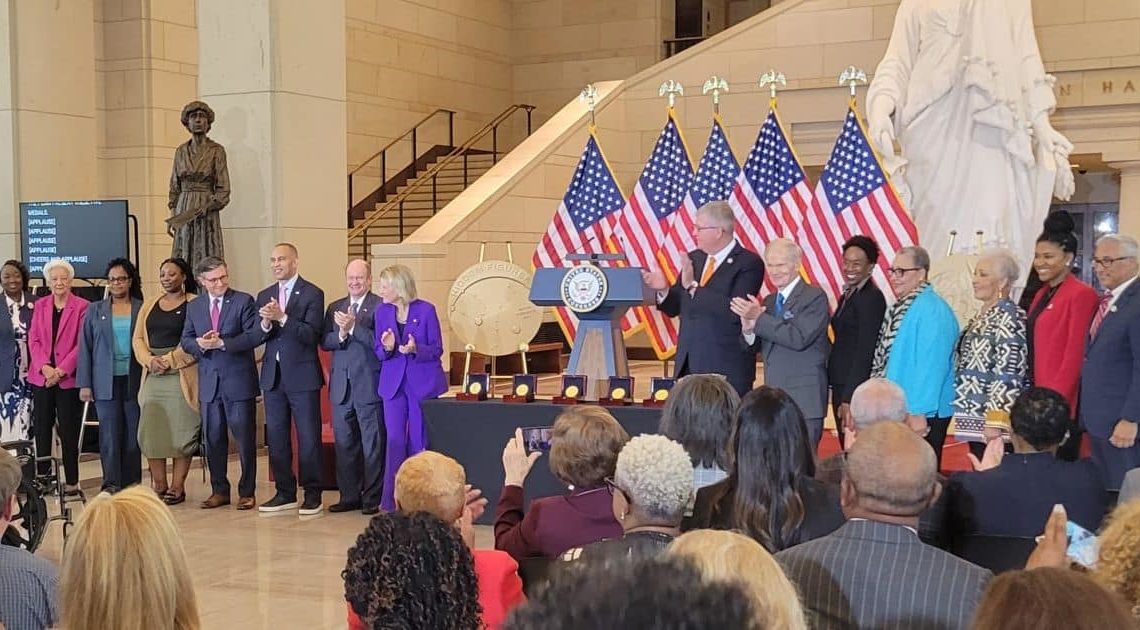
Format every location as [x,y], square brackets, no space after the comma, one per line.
[750,337]
[287,286]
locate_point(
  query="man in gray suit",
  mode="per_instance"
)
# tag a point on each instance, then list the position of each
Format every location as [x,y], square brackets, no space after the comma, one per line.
[358,415]
[874,571]
[790,330]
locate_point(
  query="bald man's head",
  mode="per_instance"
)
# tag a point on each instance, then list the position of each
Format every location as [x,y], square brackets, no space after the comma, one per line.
[358,277]
[891,472]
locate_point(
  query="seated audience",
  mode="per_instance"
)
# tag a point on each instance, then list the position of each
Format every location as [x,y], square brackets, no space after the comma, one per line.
[732,557]
[585,442]
[700,414]
[648,594]
[875,572]
[652,485]
[770,494]
[412,571]
[1050,598]
[124,567]
[437,484]
[27,598]
[1118,558]
[1012,494]
[875,400]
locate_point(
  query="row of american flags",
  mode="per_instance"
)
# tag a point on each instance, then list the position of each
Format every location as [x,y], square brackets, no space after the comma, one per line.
[770,196]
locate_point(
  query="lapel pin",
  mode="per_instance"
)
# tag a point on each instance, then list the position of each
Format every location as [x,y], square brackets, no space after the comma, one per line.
[1113,309]
[729,261]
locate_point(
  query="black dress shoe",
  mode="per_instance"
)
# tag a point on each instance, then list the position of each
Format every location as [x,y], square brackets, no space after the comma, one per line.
[344,506]
[370,510]
[278,504]
[312,504]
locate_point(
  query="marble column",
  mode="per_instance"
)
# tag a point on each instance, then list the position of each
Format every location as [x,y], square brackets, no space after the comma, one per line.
[274,73]
[1129,193]
[47,107]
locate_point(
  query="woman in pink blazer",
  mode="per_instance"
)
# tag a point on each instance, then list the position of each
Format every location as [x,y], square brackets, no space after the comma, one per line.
[53,351]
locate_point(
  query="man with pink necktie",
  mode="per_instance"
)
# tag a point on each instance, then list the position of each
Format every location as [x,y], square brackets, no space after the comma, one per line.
[221,331]
[1110,378]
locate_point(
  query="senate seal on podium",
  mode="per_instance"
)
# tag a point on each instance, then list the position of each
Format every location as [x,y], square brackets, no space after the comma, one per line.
[584,288]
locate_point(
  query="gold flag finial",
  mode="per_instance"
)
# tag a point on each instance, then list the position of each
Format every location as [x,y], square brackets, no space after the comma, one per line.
[589,96]
[774,80]
[716,85]
[671,89]
[852,77]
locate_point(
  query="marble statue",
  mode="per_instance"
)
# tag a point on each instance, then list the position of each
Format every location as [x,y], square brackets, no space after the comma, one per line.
[963,90]
[199,189]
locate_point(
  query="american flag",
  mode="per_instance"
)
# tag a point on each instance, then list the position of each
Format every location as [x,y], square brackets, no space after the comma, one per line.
[772,194]
[854,196]
[583,222]
[715,179]
[642,225]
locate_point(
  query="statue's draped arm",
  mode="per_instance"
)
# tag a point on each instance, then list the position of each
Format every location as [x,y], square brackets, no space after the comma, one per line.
[221,196]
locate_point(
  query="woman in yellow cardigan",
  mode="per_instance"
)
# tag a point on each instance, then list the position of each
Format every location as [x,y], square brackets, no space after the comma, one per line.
[169,425]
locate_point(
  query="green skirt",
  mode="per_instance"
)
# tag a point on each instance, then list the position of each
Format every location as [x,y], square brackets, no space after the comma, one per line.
[168,426]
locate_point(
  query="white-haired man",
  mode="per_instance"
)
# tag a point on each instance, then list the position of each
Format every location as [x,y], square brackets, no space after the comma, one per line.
[790,330]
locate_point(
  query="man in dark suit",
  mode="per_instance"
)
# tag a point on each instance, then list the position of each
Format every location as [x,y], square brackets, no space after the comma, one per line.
[790,330]
[708,341]
[1012,495]
[1110,377]
[856,323]
[291,311]
[221,332]
[874,571]
[358,421]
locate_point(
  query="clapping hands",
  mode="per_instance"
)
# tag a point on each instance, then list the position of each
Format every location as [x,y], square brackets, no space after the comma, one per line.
[388,340]
[749,309]
[271,312]
[410,347]
[344,321]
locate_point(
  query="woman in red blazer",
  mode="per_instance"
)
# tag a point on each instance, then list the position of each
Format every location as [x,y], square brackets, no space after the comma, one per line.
[1060,315]
[53,352]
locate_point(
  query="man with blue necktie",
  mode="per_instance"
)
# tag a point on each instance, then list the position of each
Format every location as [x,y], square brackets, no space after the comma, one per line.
[790,330]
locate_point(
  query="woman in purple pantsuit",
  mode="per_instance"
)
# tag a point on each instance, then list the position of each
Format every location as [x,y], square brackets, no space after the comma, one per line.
[409,344]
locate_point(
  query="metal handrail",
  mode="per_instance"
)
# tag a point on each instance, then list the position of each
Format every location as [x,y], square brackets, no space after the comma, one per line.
[461,151]
[383,152]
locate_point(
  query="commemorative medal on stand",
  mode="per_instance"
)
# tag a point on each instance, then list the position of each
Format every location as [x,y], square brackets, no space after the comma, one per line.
[619,392]
[573,390]
[475,387]
[659,389]
[523,387]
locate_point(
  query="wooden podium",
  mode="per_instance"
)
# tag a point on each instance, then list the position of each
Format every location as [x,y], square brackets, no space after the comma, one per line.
[599,348]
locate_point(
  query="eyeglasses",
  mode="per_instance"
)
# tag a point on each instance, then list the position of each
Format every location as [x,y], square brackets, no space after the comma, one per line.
[1108,262]
[899,272]
[613,487]
[118,279]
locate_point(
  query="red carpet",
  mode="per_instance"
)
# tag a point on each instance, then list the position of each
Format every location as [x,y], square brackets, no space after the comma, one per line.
[953,453]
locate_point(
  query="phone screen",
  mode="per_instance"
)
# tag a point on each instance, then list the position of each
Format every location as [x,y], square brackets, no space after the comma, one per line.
[1082,545]
[537,439]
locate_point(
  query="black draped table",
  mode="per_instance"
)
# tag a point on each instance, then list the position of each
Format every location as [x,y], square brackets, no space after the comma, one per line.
[474,433]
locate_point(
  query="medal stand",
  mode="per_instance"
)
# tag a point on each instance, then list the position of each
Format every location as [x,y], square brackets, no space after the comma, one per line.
[523,386]
[474,385]
[573,390]
[620,392]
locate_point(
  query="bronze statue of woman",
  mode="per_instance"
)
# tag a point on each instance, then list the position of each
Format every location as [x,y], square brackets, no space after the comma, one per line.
[199,189]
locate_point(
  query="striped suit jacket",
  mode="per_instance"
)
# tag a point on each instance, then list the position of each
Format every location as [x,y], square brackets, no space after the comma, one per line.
[877,575]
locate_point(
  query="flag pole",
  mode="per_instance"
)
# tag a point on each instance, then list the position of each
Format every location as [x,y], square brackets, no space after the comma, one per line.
[589,96]
[716,85]
[671,89]
[773,80]
[852,77]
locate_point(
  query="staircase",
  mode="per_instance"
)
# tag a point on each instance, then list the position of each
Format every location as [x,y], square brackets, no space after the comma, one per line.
[420,202]
[404,202]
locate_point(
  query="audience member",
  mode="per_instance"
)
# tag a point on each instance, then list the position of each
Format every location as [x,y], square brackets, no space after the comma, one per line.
[53,350]
[771,494]
[124,567]
[1057,324]
[699,414]
[1110,392]
[358,414]
[409,344]
[1012,495]
[1118,558]
[790,330]
[15,393]
[108,375]
[991,367]
[28,596]
[169,425]
[437,484]
[652,486]
[916,344]
[874,571]
[1130,489]
[411,571]
[659,593]
[723,556]
[585,442]
[875,400]
[856,323]
[1050,598]
[292,313]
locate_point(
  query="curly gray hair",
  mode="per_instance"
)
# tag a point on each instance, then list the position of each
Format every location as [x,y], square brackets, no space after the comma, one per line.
[657,476]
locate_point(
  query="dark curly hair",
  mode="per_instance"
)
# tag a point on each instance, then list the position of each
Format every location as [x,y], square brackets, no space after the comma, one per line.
[412,571]
[25,277]
[189,284]
[1040,416]
[867,244]
[660,593]
[131,271]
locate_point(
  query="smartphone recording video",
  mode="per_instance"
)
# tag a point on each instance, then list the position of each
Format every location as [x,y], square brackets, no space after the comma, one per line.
[537,439]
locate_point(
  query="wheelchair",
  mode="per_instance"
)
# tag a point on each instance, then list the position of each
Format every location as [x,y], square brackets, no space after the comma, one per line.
[30,521]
